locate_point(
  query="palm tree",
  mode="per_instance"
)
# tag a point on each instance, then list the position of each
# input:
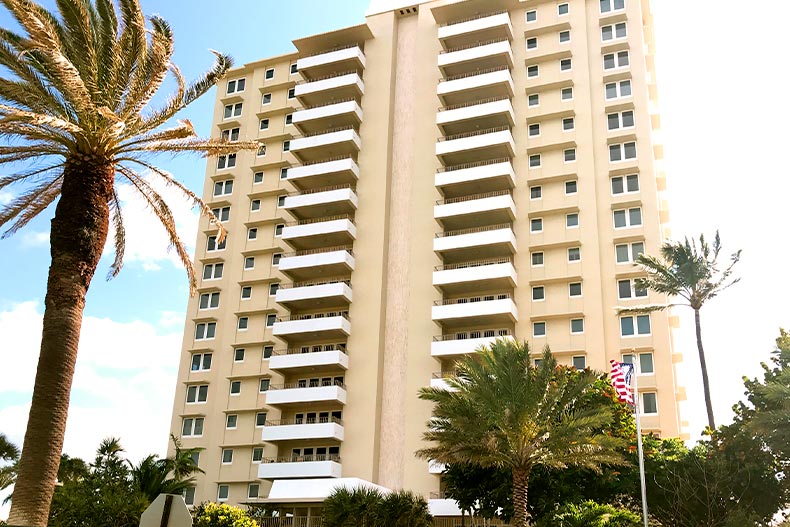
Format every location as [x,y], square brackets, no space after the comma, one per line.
[351,507]
[690,273]
[403,509]
[504,413]
[170,475]
[75,97]
[9,456]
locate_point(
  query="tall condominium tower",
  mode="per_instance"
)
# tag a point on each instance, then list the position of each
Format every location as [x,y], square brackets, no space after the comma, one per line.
[443,175]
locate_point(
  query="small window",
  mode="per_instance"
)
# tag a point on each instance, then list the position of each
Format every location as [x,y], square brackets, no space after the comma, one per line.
[538,294]
[197,394]
[566,94]
[255,205]
[286,146]
[537,259]
[569,155]
[638,325]
[257,177]
[612,5]
[292,93]
[249,262]
[625,184]
[278,229]
[628,253]
[574,254]
[572,220]
[222,492]
[228,161]
[232,110]
[616,90]
[620,120]
[563,9]
[579,362]
[283,173]
[535,192]
[205,330]
[238,354]
[209,300]
[646,366]
[243,323]
[626,289]
[566,64]
[273,288]
[270,320]
[235,387]
[534,130]
[213,271]
[246,292]
[231,420]
[280,201]
[622,152]
[267,351]
[189,495]
[533,71]
[201,362]
[212,245]
[532,43]
[289,119]
[649,403]
[235,86]
[267,98]
[538,329]
[252,233]
[294,69]
[534,161]
[627,218]
[260,419]
[269,74]
[253,490]
[276,258]
[577,326]
[192,427]
[571,187]
[617,60]
[533,99]
[230,135]
[568,124]
[536,225]
[263,386]
[532,16]
[261,150]
[227,456]
[264,124]
[221,213]
[615,31]
[575,289]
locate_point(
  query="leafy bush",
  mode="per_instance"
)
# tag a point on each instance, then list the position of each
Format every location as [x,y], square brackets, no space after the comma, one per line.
[222,515]
[591,514]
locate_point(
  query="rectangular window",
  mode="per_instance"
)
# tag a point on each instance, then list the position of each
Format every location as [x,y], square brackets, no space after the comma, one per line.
[571,187]
[574,254]
[612,5]
[235,387]
[266,99]
[189,495]
[205,330]
[533,71]
[264,385]
[292,93]
[231,420]
[538,294]
[257,177]
[243,323]
[267,351]
[628,253]
[230,135]
[270,320]
[255,205]
[579,362]
[569,155]
[537,259]
[646,366]
[209,300]
[538,329]
[261,150]
[260,419]
[575,289]
[614,31]
[622,152]
[246,292]
[565,36]
[249,262]
[222,213]
[572,220]
[534,130]
[273,289]
[617,60]
[577,326]
[627,218]
[235,86]
[276,258]
[635,325]
[280,201]
[252,491]
[566,94]
[533,99]
[201,362]
[286,146]
[197,394]
[278,229]
[192,427]
[627,289]
[536,225]
[615,90]
[532,43]
[535,192]
[264,124]
[213,271]
[222,492]
[625,184]
[283,173]
[568,124]
[534,161]
[294,69]
[228,161]
[257,454]
[252,233]
[238,354]
[289,119]
[649,403]
[563,9]
[566,65]
[620,120]
[532,16]
[269,74]
[227,456]
[232,110]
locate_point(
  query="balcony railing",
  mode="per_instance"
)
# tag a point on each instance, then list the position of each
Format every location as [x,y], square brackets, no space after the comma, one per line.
[332,49]
[311,316]
[473,230]
[298,521]
[475,263]
[302,459]
[473,73]
[308,349]
[474,334]
[330,103]
[474,45]
[472,299]
[471,197]
[319,220]
[322,189]
[325,281]
[304,421]
[327,160]
[473,134]
[293,385]
[469,19]
[348,248]
[472,103]
[475,164]
[329,131]
[330,76]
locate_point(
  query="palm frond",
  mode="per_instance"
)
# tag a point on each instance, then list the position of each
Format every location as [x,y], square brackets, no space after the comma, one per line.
[29,205]
[146,80]
[77,38]
[116,217]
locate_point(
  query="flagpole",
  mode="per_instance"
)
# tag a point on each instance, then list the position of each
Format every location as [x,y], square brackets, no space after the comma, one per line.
[639,442]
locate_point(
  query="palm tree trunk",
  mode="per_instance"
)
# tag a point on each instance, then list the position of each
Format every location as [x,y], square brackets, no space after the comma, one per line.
[78,233]
[704,368]
[521,516]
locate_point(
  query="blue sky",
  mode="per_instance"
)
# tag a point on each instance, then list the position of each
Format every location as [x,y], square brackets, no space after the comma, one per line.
[723,127]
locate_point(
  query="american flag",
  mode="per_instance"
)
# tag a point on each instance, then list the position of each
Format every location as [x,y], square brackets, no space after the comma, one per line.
[621,379]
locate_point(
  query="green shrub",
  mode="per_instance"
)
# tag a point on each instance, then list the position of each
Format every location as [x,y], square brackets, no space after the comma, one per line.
[590,514]
[221,515]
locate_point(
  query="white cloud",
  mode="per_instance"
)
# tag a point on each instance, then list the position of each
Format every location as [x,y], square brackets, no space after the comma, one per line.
[35,239]
[123,385]
[5,197]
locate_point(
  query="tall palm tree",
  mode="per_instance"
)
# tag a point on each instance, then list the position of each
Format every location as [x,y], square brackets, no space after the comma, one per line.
[9,456]
[170,475]
[690,273]
[503,412]
[75,96]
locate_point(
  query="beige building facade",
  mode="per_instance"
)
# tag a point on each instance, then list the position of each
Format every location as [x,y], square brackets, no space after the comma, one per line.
[443,175]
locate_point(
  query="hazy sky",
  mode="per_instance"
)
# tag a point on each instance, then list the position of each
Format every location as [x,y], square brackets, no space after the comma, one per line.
[721,77]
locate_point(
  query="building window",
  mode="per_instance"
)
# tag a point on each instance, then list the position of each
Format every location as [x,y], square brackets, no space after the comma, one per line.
[622,152]
[209,300]
[227,456]
[231,420]
[205,330]
[569,155]
[222,214]
[534,161]
[565,65]
[257,177]
[571,187]
[213,271]
[286,146]
[536,225]
[257,454]
[532,43]
[238,354]
[563,9]
[189,495]
[201,362]
[232,110]
[252,490]
[577,326]
[574,254]
[255,205]
[273,289]
[538,329]
[535,192]
[278,229]
[252,233]
[575,289]
[261,150]
[638,325]
[649,403]
[246,292]
[614,31]
[292,93]
[572,220]
[222,492]
[263,386]
[276,258]
[538,294]
[289,119]
[235,387]
[532,16]
[627,218]
[283,173]
[617,121]
[534,130]
[628,252]
[270,320]
[212,245]
[235,86]
[260,419]
[579,362]
[264,125]
[192,427]
[537,259]
[533,71]
[269,74]
[568,124]
[267,351]
[197,394]
[645,364]
[223,188]
[243,323]
[565,36]
[266,99]
[617,60]
[533,99]
[249,262]
[231,135]
[615,90]
[625,184]
[612,5]
[626,289]
[566,94]
[228,161]
[280,201]
[294,69]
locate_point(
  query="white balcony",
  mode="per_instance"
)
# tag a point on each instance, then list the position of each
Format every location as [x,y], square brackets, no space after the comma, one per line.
[434,467]
[488,176]
[498,273]
[467,211]
[476,56]
[290,394]
[322,202]
[478,310]
[439,380]
[494,26]
[475,244]
[443,507]
[469,147]
[324,173]
[452,346]
[293,361]
[485,84]
[297,431]
[320,232]
[314,326]
[282,468]
[345,58]
[338,86]
[336,261]
[306,295]
[486,113]
[310,120]
[331,143]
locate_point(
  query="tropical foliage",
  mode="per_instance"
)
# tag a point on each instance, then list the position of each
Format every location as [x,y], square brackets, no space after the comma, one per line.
[691,276]
[9,455]
[591,514]
[368,507]
[221,515]
[502,412]
[75,113]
